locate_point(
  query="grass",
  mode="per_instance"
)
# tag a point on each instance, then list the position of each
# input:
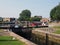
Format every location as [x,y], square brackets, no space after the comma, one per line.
[57,32]
[57,29]
[7,40]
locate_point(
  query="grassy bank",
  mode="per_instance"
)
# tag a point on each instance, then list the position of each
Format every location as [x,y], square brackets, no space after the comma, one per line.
[7,40]
[57,32]
[57,28]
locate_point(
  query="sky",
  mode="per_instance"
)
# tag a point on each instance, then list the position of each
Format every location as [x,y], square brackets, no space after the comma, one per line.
[12,8]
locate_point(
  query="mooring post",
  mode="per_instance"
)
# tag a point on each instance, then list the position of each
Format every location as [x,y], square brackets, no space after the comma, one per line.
[46,39]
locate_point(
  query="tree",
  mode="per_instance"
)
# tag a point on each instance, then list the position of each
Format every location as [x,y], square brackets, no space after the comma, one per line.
[35,18]
[55,13]
[25,15]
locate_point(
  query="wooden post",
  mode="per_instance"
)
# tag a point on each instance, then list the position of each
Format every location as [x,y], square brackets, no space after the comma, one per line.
[46,39]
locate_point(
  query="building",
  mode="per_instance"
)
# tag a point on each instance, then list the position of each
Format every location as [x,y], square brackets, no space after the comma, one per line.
[6,19]
[1,19]
[45,20]
[12,19]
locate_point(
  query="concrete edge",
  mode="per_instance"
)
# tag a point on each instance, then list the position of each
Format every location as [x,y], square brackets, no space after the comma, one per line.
[27,42]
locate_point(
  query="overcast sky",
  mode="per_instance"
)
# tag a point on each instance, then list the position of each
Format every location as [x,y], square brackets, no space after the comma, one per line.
[12,8]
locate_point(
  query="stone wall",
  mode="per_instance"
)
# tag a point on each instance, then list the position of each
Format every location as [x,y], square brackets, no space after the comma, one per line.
[45,38]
